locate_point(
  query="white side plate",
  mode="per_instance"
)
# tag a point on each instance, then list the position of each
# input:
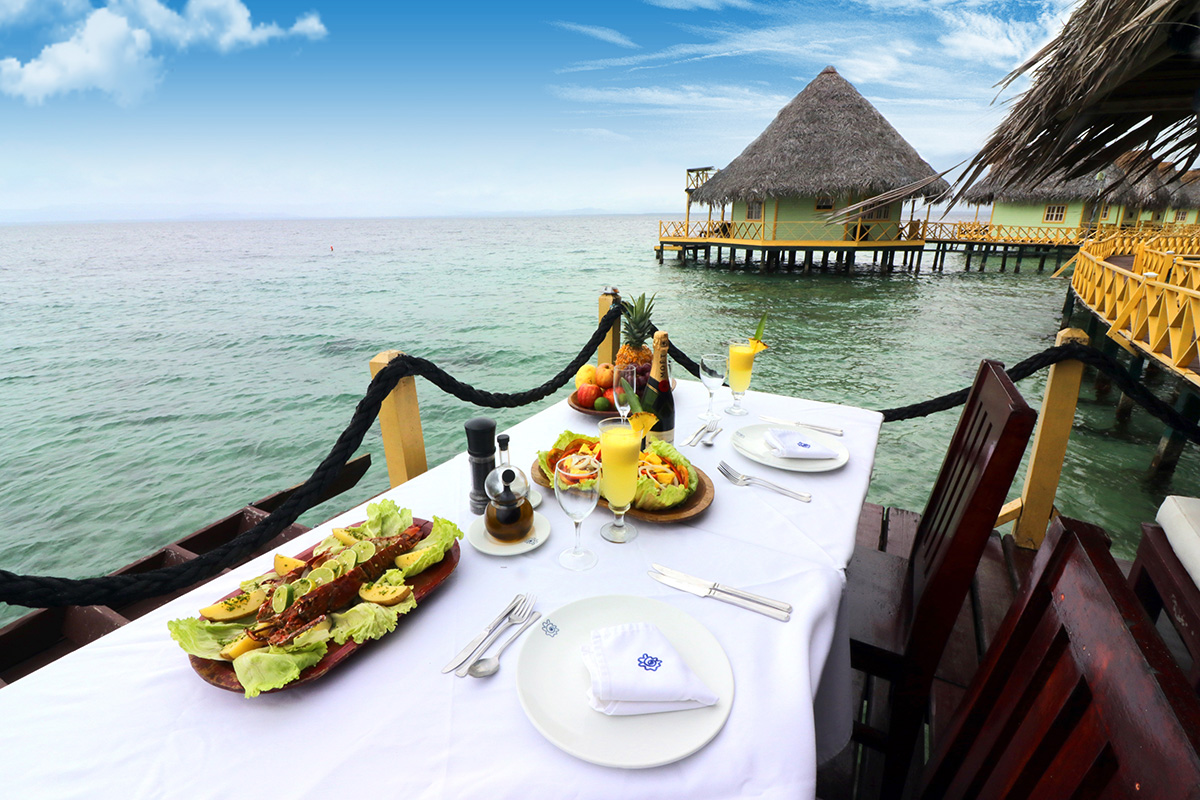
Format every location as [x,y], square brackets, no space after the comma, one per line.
[552,684]
[750,441]
[482,541]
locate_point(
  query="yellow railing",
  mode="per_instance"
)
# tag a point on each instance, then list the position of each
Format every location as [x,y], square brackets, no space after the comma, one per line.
[1004,234]
[759,231]
[1153,306]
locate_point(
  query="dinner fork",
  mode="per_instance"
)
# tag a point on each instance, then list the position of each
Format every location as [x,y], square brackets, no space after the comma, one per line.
[516,617]
[749,480]
[707,427]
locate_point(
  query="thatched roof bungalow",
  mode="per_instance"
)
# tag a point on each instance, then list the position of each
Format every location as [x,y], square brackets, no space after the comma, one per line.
[1122,75]
[826,149]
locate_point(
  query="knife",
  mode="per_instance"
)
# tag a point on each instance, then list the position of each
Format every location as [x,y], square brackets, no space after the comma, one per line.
[720,587]
[466,652]
[749,605]
[821,428]
[696,436]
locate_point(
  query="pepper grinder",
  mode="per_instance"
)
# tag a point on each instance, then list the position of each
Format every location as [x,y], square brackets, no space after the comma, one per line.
[481,453]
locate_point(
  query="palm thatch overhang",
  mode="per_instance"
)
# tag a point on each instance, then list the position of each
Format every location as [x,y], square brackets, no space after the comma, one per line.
[1122,75]
[1125,182]
[828,141]
[1187,192]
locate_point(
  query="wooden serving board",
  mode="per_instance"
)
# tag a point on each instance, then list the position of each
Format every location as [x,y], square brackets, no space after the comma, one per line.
[221,674]
[692,507]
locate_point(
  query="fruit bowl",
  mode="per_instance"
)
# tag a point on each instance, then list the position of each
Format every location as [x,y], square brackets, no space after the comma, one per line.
[573,402]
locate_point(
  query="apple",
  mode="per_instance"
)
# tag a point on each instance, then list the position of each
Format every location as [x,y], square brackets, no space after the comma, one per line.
[605,373]
[586,395]
[609,396]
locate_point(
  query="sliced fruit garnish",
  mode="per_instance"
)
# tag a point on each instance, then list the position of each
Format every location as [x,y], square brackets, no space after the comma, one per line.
[302,587]
[383,594]
[242,644]
[757,346]
[285,564]
[348,559]
[235,607]
[642,422]
[282,598]
[321,576]
[347,536]
[362,551]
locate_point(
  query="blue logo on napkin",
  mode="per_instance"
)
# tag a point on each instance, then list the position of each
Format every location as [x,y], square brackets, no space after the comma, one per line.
[549,628]
[649,663]
[805,445]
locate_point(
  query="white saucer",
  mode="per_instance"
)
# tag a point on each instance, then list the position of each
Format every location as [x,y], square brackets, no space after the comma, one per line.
[535,497]
[484,542]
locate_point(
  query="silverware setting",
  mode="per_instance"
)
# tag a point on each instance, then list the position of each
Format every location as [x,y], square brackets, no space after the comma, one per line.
[707,427]
[515,617]
[711,437]
[749,480]
[726,594]
[486,667]
[795,423]
[473,645]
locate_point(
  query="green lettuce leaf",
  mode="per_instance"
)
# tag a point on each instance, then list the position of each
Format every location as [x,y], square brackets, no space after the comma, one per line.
[385,518]
[652,495]
[433,547]
[202,638]
[369,620]
[273,667]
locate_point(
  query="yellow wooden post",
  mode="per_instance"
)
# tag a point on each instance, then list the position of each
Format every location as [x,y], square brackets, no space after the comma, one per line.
[1049,447]
[607,352]
[400,425]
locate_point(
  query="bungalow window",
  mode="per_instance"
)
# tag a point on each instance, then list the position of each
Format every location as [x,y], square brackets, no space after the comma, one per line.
[1104,209]
[1054,214]
[754,209]
[1181,215]
[824,204]
[879,212]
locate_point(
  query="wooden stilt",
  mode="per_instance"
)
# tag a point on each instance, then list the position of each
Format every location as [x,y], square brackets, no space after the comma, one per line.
[1125,404]
[1068,309]
[1166,457]
[1004,258]
[824,260]
[970,252]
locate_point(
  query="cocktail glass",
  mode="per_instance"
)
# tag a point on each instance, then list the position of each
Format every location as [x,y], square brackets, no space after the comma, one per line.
[577,488]
[741,362]
[620,446]
[713,369]
[624,382]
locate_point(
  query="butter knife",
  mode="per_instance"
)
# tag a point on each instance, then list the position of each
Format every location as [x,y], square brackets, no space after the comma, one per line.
[798,424]
[749,605]
[466,652]
[720,587]
[696,436]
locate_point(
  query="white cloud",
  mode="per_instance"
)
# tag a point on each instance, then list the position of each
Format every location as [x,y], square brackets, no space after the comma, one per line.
[600,134]
[111,49]
[105,54]
[707,5]
[682,98]
[596,32]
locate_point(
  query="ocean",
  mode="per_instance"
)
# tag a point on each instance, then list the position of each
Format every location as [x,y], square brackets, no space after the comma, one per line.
[157,376]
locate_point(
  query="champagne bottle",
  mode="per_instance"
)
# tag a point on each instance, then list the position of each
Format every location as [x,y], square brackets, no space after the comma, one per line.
[663,400]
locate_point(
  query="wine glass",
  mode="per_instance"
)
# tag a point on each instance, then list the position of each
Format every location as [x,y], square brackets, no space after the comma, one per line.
[577,488]
[741,362]
[713,369]
[623,377]
[621,446]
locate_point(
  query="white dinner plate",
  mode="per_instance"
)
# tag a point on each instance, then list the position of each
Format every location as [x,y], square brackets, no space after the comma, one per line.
[484,542]
[552,683]
[750,441]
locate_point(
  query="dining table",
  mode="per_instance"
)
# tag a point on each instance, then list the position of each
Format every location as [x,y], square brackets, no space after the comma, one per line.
[128,716]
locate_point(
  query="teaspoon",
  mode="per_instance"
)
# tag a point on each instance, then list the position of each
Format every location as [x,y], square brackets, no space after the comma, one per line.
[491,665]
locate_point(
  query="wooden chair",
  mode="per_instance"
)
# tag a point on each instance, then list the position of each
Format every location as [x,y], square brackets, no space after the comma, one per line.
[1077,697]
[1163,585]
[902,610]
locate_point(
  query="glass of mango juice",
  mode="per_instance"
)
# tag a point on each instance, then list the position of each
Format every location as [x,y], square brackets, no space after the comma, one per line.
[741,363]
[620,446]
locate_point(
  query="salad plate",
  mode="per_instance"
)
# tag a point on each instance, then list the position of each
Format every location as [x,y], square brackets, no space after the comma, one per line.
[692,507]
[221,673]
[750,441]
[484,542]
[552,685]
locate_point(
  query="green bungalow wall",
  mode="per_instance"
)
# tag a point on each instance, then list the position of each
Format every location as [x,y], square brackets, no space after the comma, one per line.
[1076,215]
[810,223]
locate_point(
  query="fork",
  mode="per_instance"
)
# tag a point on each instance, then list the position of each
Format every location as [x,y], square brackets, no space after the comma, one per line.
[516,617]
[708,427]
[749,480]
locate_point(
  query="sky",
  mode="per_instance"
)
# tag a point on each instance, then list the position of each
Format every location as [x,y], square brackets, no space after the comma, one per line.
[147,109]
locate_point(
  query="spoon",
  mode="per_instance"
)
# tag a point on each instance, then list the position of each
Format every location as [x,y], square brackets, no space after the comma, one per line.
[491,665]
[711,437]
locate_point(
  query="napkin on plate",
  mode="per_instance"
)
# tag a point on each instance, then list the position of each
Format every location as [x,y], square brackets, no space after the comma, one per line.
[790,443]
[635,670]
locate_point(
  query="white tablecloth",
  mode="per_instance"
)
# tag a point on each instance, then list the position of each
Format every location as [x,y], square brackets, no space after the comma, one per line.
[127,716]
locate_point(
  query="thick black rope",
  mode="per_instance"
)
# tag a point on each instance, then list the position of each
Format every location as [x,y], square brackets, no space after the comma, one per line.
[39,591]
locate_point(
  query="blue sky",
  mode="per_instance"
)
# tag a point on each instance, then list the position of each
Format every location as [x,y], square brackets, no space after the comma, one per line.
[152,109]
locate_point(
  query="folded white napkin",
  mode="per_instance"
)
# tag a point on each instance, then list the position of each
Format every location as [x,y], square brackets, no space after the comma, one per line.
[635,670]
[789,443]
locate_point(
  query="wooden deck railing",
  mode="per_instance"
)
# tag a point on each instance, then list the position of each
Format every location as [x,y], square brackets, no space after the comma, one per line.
[759,231]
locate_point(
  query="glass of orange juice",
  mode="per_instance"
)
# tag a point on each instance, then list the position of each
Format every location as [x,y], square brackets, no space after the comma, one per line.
[741,362]
[620,446]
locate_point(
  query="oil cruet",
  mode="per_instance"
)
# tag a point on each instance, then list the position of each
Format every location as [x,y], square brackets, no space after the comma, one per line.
[509,515]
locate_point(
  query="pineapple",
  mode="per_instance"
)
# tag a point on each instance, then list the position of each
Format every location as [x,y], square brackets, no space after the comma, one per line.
[637,330]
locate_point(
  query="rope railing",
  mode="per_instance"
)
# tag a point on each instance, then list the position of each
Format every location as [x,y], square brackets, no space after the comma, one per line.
[39,591]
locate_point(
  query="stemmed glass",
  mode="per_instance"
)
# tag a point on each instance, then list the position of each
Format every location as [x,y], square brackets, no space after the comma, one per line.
[621,446]
[577,487]
[622,377]
[741,362]
[713,369]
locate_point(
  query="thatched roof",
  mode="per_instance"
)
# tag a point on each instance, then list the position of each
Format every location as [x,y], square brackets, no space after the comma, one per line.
[1126,182]
[1122,75]
[829,141]
[1187,193]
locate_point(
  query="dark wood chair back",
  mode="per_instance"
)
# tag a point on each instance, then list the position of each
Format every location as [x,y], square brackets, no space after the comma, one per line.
[978,471]
[1077,696]
[1163,585]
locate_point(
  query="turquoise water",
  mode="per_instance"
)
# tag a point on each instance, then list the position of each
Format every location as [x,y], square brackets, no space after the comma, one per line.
[157,376]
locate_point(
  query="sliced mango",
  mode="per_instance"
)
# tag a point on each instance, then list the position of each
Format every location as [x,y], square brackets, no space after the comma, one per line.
[285,564]
[235,607]
[347,536]
[243,644]
[383,594]
[406,560]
